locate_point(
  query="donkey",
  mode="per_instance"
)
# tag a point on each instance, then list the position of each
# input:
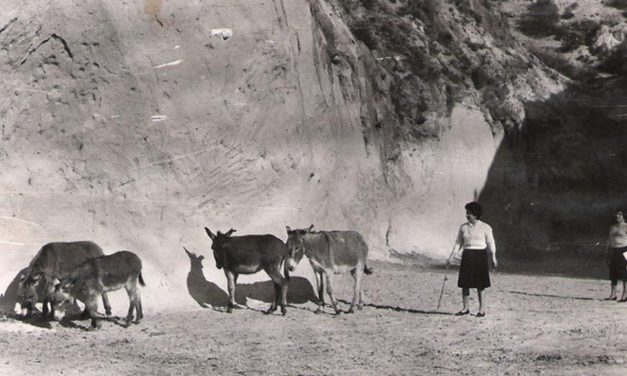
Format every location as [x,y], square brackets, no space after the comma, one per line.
[248,255]
[54,261]
[330,252]
[99,275]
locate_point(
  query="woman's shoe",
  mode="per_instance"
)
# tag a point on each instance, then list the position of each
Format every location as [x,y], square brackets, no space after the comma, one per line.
[623,300]
[481,314]
[462,313]
[610,298]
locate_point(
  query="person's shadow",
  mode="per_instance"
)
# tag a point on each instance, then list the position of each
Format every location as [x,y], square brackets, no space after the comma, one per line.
[209,295]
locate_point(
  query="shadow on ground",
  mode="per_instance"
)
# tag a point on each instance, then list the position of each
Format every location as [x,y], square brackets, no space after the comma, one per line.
[209,295]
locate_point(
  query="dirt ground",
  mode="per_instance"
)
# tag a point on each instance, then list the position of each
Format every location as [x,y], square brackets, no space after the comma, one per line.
[534,325]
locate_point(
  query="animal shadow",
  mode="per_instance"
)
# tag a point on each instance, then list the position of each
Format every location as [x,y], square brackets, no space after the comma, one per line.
[9,298]
[206,294]
[299,291]
[209,295]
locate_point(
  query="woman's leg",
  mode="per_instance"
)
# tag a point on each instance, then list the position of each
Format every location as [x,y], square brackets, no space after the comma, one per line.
[613,290]
[480,297]
[624,296]
[465,296]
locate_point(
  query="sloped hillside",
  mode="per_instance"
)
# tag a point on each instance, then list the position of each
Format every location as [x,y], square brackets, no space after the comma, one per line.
[136,124]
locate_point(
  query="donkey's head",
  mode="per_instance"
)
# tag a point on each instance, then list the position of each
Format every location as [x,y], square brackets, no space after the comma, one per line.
[63,296]
[220,245]
[295,244]
[27,294]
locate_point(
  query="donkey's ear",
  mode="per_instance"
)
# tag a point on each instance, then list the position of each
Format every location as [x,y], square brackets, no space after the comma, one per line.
[188,252]
[201,257]
[211,234]
[288,228]
[66,283]
[231,231]
[310,228]
[71,281]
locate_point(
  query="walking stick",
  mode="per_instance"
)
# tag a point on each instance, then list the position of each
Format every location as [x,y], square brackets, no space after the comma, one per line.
[445,279]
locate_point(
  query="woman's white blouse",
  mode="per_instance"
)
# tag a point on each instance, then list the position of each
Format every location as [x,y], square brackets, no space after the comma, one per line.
[477,236]
[618,235]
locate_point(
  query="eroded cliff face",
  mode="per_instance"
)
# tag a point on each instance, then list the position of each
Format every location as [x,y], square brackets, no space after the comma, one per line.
[136,124]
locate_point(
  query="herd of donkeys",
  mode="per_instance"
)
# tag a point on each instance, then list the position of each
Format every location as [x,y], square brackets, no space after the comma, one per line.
[63,272]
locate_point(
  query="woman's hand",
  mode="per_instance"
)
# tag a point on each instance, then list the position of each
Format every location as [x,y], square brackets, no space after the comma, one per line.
[494,262]
[457,256]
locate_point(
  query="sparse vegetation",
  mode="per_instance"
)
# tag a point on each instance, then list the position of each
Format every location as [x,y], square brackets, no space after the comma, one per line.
[619,4]
[541,19]
[576,34]
[556,61]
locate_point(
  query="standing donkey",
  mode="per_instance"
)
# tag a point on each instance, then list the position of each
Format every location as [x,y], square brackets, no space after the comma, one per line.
[248,255]
[330,252]
[92,278]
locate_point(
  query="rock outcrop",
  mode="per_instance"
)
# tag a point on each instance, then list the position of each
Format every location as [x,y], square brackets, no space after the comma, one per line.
[135,125]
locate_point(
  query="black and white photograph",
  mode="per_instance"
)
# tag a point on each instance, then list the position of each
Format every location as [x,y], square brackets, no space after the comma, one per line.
[313,187]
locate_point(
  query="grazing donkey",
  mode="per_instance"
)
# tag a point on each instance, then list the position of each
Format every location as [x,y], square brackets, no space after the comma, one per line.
[247,255]
[54,261]
[330,252]
[99,275]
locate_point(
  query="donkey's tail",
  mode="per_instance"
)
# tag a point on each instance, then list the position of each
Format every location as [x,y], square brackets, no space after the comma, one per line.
[141,280]
[367,270]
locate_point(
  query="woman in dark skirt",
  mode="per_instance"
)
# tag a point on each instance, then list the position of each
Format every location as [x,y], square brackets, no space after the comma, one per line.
[476,239]
[615,258]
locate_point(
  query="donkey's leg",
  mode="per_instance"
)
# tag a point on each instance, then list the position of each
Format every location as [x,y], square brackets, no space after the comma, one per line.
[230,279]
[330,292]
[106,304]
[357,275]
[137,303]
[320,281]
[138,308]
[131,290]
[91,306]
[280,287]
[44,308]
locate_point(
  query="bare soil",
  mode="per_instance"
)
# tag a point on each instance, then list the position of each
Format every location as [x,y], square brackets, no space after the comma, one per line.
[534,325]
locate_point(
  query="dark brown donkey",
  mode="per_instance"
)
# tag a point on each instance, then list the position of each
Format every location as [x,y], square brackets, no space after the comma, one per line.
[54,261]
[247,255]
[98,275]
[330,252]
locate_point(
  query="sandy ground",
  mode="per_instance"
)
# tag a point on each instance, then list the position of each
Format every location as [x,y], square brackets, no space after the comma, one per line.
[534,325]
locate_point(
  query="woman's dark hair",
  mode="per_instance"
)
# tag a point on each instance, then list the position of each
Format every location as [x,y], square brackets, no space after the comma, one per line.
[475,209]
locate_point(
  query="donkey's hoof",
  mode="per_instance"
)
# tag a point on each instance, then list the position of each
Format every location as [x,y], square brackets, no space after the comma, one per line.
[351,310]
[283,311]
[270,310]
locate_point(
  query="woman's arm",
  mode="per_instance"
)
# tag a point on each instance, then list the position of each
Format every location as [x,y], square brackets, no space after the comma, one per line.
[457,246]
[489,239]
